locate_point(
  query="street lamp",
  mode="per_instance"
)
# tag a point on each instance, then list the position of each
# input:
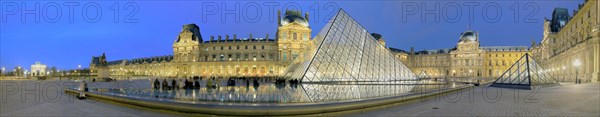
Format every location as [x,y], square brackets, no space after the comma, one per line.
[470,73]
[576,63]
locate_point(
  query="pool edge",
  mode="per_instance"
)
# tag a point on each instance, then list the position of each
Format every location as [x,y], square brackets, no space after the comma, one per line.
[266,110]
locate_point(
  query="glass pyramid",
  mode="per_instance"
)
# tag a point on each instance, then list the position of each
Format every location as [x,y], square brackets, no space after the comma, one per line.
[523,74]
[344,51]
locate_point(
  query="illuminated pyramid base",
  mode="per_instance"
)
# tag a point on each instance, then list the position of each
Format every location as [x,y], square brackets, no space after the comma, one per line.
[524,74]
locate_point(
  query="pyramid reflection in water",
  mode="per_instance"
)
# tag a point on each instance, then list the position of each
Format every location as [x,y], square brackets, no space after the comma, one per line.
[424,75]
[344,51]
[524,74]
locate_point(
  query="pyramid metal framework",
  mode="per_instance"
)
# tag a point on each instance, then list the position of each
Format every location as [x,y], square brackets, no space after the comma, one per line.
[344,51]
[524,74]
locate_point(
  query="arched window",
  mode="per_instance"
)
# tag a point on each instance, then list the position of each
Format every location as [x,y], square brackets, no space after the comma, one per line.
[294,55]
[284,35]
[295,36]
[305,36]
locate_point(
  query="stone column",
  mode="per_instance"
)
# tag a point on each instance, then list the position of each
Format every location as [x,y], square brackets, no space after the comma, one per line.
[595,55]
[596,71]
[589,68]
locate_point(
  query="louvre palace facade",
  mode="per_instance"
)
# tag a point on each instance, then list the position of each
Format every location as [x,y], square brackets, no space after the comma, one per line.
[467,60]
[570,47]
[227,55]
[566,39]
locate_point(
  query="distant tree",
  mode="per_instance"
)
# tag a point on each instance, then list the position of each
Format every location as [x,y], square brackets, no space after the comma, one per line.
[53,70]
[18,71]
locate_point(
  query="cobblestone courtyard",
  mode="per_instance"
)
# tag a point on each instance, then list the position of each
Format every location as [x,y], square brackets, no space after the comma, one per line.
[566,100]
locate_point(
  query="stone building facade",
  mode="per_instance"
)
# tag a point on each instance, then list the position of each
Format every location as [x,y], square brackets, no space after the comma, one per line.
[565,39]
[38,69]
[466,60]
[223,55]
[568,40]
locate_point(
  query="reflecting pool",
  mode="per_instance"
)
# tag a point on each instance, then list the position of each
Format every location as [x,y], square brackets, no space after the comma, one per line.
[268,92]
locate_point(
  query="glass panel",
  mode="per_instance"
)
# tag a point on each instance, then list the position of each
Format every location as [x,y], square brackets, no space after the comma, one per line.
[345,51]
[524,73]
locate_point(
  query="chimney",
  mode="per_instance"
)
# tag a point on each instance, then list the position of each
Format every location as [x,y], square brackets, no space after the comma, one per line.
[267,37]
[306,16]
[278,17]
[234,37]
[250,36]
[212,38]
[477,36]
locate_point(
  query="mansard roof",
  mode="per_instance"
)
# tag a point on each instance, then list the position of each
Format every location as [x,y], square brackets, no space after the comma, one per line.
[196,36]
[167,58]
[294,16]
[240,40]
[95,60]
[505,48]
[436,51]
[397,50]
[115,62]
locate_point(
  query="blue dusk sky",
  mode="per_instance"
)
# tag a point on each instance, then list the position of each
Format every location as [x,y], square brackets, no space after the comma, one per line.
[66,34]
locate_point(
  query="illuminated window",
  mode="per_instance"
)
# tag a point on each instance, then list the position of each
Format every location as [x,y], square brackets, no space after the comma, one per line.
[284,35]
[305,36]
[294,55]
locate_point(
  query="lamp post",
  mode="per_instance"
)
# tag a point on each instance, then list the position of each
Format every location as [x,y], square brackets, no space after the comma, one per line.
[471,73]
[563,72]
[78,70]
[576,63]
